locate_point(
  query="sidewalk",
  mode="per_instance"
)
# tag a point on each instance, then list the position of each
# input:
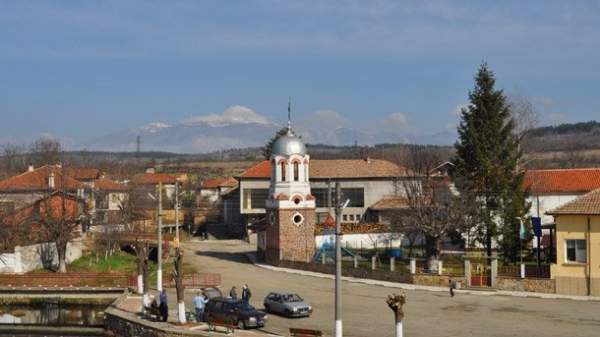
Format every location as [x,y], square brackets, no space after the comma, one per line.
[406,286]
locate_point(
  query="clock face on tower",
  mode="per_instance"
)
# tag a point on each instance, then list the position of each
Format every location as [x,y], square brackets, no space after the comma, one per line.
[297,219]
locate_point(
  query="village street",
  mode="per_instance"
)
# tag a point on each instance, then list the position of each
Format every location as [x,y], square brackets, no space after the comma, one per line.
[365,312]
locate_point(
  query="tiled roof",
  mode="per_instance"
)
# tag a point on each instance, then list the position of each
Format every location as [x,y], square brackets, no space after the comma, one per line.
[152,178]
[82,173]
[390,202]
[587,204]
[336,168]
[37,180]
[220,182]
[562,180]
[109,185]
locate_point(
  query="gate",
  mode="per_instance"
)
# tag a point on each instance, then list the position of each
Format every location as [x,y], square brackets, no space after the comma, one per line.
[480,275]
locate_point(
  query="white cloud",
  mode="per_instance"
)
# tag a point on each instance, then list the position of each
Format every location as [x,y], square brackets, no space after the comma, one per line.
[459,107]
[235,114]
[154,127]
[398,118]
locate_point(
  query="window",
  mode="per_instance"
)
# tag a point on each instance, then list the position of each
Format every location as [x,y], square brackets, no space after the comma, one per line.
[576,251]
[282,170]
[356,196]
[297,219]
[258,197]
[351,217]
[321,195]
[296,171]
[345,217]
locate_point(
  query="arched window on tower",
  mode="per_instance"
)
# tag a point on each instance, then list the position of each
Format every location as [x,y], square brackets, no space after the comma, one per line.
[296,171]
[282,170]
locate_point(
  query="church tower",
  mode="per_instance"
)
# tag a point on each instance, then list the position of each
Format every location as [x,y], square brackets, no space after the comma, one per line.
[290,233]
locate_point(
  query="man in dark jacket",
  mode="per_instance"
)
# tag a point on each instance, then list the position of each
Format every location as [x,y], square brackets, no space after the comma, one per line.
[164,306]
[233,293]
[246,293]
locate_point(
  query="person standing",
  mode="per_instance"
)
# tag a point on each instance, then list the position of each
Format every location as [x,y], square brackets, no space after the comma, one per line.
[200,303]
[246,293]
[452,286]
[164,305]
[233,293]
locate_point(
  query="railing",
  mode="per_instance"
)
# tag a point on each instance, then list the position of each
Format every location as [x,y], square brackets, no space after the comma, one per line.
[70,279]
[509,271]
[534,271]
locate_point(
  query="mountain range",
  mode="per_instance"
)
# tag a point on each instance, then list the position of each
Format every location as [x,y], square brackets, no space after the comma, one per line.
[240,127]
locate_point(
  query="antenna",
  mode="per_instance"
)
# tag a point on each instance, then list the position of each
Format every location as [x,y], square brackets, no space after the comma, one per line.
[290,114]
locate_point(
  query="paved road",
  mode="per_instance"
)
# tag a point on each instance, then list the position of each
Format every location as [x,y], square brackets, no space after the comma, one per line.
[365,313]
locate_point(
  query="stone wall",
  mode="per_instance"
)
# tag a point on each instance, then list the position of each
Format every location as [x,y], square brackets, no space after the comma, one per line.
[537,285]
[38,256]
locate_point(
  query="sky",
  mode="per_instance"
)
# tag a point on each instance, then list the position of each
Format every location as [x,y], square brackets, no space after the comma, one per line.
[78,70]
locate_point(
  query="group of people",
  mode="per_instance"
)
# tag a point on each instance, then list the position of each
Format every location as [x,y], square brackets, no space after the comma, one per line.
[200,300]
[246,293]
[162,305]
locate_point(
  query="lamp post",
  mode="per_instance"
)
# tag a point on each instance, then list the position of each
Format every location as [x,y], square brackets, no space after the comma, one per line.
[177,211]
[159,243]
[338,259]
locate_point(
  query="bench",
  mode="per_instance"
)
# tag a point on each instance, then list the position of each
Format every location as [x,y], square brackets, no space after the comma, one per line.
[305,333]
[227,325]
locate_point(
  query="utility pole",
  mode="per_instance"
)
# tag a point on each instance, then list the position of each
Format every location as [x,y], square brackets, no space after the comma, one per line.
[338,261]
[159,243]
[177,211]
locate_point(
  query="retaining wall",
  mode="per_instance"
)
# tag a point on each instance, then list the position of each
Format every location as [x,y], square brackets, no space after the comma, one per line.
[38,256]
[537,285]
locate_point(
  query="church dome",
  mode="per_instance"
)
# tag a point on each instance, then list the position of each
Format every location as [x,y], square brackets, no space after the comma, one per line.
[288,145]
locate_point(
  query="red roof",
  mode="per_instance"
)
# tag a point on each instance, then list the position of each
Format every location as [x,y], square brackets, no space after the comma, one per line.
[37,180]
[153,178]
[220,182]
[337,168]
[109,185]
[562,180]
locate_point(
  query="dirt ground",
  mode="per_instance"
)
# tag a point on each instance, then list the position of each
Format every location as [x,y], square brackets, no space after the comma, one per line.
[365,312]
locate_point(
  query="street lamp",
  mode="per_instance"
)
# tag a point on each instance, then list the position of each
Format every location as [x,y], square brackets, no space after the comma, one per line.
[338,259]
[159,241]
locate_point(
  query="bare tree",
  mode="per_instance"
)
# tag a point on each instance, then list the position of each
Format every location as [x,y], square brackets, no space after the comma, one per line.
[12,158]
[45,150]
[178,277]
[61,221]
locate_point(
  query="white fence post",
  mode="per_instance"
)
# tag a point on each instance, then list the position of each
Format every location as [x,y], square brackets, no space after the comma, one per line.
[392,263]
[355,261]
[373,262]
[440,267]
[522,270]
[413,265]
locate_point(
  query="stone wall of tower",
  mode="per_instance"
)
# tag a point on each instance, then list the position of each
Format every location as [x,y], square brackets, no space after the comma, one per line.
[288,241]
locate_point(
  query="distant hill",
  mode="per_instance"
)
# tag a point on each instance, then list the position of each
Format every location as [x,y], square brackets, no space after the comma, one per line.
[564,137]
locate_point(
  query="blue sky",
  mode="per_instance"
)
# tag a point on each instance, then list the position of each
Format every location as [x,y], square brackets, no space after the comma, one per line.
[83,69]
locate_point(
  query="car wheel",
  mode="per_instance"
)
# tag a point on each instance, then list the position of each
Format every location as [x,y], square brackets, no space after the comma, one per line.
[241,324]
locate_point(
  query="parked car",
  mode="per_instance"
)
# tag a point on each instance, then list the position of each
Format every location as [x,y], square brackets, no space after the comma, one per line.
[235,312]
[287,304]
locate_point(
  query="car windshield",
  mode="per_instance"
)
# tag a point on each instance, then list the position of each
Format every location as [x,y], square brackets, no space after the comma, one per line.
[292,298]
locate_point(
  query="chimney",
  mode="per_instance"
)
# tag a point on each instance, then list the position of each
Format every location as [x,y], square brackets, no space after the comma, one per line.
[51,180]
[30,168]
[368,160]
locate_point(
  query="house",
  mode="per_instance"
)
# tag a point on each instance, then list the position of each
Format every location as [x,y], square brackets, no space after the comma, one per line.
[364,182]
[25,243]
[212,189]
[85,175]
[577,268]
[34,184]
[108,196]
[150,180]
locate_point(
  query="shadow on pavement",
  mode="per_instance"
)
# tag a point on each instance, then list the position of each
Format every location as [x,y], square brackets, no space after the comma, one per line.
[228,256]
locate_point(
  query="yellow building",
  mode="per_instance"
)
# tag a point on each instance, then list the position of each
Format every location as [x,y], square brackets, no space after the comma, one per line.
[577,268]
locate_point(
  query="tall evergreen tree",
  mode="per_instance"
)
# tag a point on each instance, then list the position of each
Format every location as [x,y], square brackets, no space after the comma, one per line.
[487,158]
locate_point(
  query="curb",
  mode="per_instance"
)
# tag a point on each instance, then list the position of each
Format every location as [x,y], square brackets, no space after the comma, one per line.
[406,286]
